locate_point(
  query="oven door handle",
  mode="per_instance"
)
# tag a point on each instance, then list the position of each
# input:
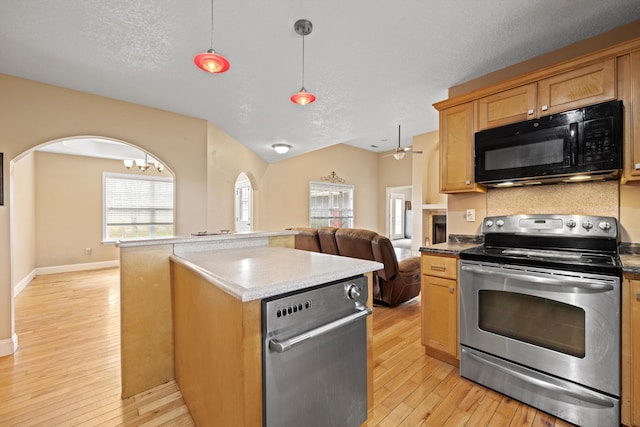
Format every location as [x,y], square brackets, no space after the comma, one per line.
[567,390]
[282,346]
[590,285]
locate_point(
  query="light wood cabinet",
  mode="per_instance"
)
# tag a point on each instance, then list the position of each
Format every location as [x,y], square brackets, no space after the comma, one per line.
[456,149]
[631,351]
[582,86]
[439,298]
[629,92]
[577,88]
[509,106]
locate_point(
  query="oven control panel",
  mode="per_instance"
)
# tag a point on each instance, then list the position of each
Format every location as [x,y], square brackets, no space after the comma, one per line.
[541,224]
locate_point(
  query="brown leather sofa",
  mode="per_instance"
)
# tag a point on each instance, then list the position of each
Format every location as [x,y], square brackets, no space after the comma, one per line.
[396,283]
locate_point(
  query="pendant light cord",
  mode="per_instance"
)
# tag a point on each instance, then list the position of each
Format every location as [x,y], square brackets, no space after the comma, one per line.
[303,61]
[211,24]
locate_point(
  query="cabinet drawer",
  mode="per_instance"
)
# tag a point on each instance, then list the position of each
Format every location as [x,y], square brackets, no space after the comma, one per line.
[440,266]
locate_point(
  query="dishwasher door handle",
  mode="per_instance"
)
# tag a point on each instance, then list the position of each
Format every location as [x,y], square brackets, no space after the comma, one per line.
[282,346]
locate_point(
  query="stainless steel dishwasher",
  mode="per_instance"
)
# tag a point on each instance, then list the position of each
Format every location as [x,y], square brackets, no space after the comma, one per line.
[315,356]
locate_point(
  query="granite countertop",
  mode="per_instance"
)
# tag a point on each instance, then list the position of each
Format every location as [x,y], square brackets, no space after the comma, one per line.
[630,257]
[454,245]
[261,272]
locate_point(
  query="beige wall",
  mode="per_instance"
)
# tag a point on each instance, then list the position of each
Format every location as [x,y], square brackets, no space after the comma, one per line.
[227,158]
[24,214]
[391,173]
[284,189]
[33,113]
[69,208]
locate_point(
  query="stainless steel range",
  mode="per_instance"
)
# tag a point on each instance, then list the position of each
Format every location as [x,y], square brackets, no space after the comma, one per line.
[540,314]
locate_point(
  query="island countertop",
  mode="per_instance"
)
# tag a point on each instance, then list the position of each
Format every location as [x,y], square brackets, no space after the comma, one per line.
[263,272]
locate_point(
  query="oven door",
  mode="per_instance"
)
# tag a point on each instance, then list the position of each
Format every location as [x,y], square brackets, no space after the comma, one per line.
[562,323]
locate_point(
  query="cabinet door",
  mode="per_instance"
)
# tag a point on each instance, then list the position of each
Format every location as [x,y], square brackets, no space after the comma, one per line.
[440,315]
[629,93]
[456,149]
[635,352]
[511,106]
[587,85]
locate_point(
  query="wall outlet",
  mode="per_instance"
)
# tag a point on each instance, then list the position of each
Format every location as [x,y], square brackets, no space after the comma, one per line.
[471,215]
[87,251]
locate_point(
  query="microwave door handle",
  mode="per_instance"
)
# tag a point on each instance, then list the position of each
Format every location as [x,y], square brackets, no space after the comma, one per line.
[573,142]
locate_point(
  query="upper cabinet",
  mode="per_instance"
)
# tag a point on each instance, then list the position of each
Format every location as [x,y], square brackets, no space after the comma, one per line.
[509,106]
[456,149]
[629,92]
[582,86]
[577,88]
[531,96]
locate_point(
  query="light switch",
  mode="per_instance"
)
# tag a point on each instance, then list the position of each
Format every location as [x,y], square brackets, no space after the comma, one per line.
[471,215]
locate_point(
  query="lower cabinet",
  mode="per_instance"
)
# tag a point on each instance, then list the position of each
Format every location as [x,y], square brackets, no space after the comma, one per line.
[631,351]
[439,298]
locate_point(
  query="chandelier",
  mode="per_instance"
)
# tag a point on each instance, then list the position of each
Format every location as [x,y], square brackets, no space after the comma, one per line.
[143,165]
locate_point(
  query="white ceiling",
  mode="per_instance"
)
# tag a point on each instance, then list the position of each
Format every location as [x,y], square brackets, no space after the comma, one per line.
[373,64]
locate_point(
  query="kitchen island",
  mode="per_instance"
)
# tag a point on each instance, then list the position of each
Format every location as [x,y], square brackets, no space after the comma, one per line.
[209,315]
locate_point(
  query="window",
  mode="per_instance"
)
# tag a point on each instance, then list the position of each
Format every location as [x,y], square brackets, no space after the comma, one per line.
[137,207]
[330,205]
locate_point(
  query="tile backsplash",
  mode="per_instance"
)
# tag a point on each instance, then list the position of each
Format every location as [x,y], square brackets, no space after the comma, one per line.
[588,198]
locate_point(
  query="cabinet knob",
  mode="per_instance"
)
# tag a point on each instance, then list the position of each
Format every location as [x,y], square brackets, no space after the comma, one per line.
[530,112]
[451,290]
[637,166]
[545,107]
[468,182]
[638,295]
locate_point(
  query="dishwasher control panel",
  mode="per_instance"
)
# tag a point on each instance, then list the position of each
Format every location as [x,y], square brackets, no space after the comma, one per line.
[320,304]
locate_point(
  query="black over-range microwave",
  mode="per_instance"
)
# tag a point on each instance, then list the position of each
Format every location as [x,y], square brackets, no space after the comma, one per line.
[582,144]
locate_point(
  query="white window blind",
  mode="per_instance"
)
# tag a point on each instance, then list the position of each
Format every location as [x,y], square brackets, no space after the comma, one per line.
[137,206]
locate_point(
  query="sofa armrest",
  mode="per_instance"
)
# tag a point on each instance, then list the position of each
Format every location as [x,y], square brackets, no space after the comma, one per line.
[409,264]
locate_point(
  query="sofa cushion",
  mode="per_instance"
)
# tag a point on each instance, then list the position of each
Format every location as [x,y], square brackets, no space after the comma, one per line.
[327,237]
[307,239]
[355,242]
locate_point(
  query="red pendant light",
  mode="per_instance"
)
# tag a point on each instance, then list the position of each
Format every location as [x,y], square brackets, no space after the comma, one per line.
[303,97]
[210,61]
[303,27]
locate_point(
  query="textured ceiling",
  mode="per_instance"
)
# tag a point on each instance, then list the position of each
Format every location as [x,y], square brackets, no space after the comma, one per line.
[372,64]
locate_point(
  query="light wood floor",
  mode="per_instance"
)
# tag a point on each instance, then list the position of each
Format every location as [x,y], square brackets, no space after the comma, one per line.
[66,371]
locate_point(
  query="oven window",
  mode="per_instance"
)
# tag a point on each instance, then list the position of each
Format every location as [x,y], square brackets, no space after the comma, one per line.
[538,321]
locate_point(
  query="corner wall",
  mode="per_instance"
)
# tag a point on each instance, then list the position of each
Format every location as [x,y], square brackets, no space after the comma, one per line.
[33,113]
[284,189]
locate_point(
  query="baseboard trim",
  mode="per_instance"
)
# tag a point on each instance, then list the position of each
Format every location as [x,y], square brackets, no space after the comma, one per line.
[76,267]
[23,283]
[8,346]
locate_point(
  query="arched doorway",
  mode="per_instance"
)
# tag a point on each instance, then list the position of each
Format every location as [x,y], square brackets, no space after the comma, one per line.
[64,179]
[243,204]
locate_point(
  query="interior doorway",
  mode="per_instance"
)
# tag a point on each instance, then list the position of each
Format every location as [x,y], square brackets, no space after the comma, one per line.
[243,203]
[399,216]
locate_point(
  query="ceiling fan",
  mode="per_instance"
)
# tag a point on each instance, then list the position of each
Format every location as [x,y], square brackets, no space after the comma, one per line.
[402,151]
